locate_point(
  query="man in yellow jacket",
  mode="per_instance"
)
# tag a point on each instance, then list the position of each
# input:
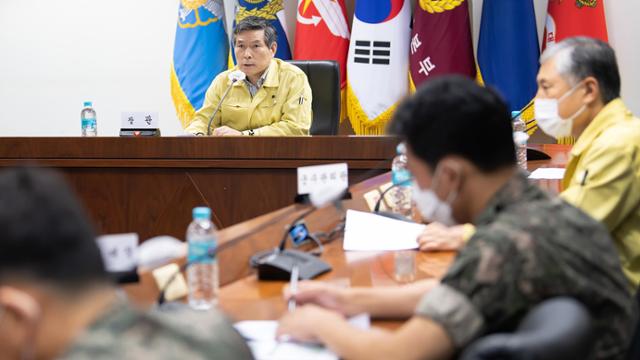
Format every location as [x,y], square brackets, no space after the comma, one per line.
[273,100]
[579,95]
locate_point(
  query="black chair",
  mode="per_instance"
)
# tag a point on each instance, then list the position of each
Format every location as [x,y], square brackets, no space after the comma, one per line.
[634,349]
[556,329]
[324,79]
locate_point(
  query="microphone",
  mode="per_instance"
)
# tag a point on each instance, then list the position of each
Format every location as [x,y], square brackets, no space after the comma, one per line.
[234,77]
[278,263]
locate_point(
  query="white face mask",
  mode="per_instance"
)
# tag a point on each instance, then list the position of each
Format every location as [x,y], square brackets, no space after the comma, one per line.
[430,205]
[548,118]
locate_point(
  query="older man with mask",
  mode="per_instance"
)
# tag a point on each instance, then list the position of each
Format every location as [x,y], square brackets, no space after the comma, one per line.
[579,95]
[56,301]
[273,100]
[529,246]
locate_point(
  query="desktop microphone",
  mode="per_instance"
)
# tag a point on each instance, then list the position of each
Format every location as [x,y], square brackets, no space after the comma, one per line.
[234,77]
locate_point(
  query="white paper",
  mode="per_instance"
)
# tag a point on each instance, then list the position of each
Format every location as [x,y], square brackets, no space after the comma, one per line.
[261,339]
[370,232]
[547,174]
[119,251]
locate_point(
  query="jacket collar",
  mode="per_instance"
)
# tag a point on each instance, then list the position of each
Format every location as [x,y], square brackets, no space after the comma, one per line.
[608,116]
[270,80]
[516,190]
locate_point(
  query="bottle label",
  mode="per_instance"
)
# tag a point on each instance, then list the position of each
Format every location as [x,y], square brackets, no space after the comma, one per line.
[202,252]
[89,123]
[401,176]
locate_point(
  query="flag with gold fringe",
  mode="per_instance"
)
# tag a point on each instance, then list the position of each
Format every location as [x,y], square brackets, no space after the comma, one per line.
[378,63]
[441,40]
[574,18]
[199,54]
[322,33]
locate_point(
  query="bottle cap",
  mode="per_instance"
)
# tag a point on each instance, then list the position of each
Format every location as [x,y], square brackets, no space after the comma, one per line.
[401,149]
[201,212]
[88,104]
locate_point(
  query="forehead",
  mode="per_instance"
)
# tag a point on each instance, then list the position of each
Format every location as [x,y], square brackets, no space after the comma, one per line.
[250,36]
[549,72]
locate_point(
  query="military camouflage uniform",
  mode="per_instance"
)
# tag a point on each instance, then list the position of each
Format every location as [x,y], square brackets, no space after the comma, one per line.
[125,333]
[529,247]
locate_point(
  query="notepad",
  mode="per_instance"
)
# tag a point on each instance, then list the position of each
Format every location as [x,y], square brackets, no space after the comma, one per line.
[370,232]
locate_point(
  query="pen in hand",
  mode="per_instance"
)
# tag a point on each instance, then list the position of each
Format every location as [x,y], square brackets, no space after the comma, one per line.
[293,288]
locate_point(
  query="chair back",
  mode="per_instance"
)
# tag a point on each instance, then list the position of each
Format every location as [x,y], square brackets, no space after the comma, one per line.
[324,79]
[556,329]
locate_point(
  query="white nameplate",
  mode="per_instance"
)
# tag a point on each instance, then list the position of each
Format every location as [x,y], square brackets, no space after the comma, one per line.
[139,120]
[313,179]
[119,251]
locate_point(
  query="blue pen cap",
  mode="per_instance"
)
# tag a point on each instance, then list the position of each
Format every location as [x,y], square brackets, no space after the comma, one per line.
[201,212]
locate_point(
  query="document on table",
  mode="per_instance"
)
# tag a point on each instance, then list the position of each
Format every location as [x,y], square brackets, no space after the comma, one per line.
[261,338]
[547,174]
[370,232]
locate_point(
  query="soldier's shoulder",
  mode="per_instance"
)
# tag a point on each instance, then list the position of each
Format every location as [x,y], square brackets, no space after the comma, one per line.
[180,333]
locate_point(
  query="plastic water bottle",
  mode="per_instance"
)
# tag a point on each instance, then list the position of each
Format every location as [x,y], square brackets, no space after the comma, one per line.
[89,125]
[89,122]
[520,138]
[202,272]
[401,178]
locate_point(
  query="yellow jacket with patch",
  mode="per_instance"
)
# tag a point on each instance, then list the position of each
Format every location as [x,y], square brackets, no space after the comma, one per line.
[281,107]
[603,179]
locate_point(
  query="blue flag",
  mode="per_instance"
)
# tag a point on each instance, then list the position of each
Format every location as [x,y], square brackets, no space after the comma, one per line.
[272,10]
[508,50]
[199,54]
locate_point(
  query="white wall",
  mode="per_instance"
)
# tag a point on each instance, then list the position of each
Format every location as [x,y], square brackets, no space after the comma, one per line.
[56,54]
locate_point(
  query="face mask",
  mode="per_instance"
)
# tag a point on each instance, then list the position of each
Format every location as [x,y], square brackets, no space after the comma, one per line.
[548,118]
[431,207]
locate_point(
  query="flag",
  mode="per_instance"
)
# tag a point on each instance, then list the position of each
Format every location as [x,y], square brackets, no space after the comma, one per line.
[508,50]
[272,10]
[441,41]
[378,63]
[322,33]
[199,54]
[574,18]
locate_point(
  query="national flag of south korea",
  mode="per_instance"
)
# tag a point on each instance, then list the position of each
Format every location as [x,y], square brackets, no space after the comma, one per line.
[378,63]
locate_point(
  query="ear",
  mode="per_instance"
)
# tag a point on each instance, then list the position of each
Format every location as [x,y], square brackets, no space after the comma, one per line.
[274,48]
[592,90]
[19,304]
[450,177]
[19,313]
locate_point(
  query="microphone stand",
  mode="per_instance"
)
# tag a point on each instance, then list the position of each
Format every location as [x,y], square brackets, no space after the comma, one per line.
[226,92]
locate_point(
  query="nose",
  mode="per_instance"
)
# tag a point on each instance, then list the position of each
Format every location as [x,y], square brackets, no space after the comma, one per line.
[247,54]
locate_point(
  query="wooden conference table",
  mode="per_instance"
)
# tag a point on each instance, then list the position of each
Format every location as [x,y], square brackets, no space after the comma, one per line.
[243,297]
[150,185]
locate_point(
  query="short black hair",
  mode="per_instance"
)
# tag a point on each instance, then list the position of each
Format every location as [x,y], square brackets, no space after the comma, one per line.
[44,233]
[581,57]
[453,115]
[251,23]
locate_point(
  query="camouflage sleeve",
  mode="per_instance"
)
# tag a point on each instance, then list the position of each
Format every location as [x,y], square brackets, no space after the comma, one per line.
[453,311]
[481,290]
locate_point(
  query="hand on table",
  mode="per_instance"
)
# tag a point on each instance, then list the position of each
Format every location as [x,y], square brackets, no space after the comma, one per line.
[226,131]
[438,237]
[301,324]
[320,293]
